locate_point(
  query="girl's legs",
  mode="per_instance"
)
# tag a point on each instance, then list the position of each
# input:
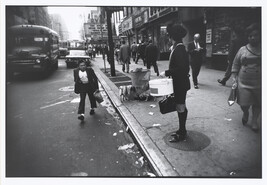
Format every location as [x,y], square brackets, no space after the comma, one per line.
[182,115]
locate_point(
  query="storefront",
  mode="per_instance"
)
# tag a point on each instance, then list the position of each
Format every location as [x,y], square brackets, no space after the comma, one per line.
[140,25]
[127,30]
[158,19]
[194,22]
[218,32]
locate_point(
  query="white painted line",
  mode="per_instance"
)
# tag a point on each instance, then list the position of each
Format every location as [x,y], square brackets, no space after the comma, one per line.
[75,100]
[54,104]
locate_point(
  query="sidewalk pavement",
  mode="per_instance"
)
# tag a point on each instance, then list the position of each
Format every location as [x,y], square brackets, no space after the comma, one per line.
[218,145]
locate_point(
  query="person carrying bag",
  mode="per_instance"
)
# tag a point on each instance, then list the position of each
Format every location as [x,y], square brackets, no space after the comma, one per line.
[179,71]
[85,83]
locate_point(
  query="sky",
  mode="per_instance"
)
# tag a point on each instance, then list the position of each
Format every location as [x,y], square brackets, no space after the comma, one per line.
[74,17]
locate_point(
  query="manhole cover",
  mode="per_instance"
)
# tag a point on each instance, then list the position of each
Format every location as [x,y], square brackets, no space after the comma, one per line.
[195,141]
[69,88]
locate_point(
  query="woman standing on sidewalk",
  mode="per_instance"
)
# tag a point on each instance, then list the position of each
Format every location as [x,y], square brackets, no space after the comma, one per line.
[247,73]
[85,83]
[179,71]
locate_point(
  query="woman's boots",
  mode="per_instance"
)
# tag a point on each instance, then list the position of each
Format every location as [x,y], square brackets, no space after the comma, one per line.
[180,134]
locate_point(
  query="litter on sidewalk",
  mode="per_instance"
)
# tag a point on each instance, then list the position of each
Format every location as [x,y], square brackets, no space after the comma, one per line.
[151,113]
[152,106]
[127,146]
[141,160]
[232,173]
[150,174]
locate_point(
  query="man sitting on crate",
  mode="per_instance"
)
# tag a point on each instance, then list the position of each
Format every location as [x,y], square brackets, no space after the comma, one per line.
[125,54]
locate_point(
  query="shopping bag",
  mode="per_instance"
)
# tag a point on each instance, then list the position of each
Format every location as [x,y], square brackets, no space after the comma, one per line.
[98,96]
[167,104]
[233,95]
[76,88]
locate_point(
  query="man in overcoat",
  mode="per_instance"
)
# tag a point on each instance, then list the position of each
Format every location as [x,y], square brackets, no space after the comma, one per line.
[151,55]
[195,50]
[125,54]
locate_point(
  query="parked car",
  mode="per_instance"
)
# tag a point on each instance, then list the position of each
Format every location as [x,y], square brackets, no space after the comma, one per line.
[75,55]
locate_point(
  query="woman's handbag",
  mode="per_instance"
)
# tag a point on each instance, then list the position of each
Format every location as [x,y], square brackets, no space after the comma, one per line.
[233,95]
[98,96]
[167,104]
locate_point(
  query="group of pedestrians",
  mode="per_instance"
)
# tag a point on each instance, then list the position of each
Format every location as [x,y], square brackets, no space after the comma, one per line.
[244,61]
[149,53]
[93,50]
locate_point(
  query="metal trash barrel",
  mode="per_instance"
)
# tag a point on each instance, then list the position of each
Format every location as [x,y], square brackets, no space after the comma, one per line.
[140,77]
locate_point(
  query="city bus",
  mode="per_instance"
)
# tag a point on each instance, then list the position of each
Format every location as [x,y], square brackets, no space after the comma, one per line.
[31,48]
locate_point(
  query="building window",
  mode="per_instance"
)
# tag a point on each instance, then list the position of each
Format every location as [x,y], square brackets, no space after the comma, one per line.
[129,11]
[125,12]
[164,43]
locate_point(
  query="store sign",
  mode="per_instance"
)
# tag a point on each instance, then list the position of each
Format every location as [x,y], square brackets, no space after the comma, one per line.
[141,19]
[94,30]
[165,11]
[145,16]
[127,24]
[208,36]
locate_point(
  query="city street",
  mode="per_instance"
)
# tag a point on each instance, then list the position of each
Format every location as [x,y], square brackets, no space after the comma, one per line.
[44,137]
[130,135]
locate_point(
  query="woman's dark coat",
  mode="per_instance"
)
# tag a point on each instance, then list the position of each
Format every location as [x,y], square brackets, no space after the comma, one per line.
[92,79]
[179,69]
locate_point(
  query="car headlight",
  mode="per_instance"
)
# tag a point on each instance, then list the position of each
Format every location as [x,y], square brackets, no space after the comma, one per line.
[37,61]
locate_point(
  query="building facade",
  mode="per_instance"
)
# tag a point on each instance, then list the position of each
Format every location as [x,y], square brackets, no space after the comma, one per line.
[214,24]
[220,22]
[58,25]
[96,31]
[16,15]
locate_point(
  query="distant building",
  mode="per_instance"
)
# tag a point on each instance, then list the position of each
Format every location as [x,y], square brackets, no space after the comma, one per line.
[16,15]
[96,26]
[58,24]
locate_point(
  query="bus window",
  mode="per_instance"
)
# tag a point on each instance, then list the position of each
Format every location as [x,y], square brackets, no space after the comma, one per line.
[27,41]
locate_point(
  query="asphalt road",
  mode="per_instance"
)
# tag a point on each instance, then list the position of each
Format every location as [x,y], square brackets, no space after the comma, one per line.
[44,138]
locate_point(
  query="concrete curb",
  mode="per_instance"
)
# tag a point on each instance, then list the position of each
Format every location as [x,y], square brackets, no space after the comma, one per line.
[159,162]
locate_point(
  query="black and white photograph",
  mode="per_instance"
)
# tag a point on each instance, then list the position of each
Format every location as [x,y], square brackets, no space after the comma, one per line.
[132,92]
